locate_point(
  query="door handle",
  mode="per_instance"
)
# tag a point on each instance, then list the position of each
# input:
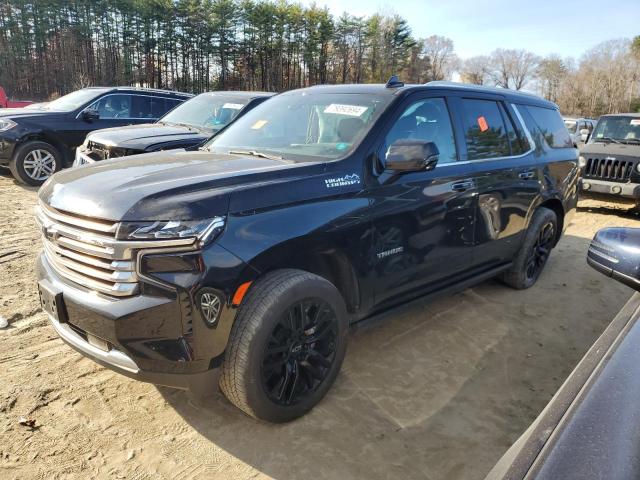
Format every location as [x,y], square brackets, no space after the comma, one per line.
[463,185]
[528,175]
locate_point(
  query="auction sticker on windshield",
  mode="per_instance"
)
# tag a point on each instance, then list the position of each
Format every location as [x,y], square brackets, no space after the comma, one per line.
[635,121]
[351,110]
[233,106]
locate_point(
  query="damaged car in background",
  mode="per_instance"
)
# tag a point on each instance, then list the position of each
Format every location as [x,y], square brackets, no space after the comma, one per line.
[187,126]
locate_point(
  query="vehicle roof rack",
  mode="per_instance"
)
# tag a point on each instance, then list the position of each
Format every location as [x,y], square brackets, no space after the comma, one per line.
[394,82]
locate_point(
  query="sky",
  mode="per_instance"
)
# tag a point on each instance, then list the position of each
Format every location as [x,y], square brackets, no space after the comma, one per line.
[565,27]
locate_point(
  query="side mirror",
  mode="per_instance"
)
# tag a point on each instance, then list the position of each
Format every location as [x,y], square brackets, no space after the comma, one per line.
[616,253]
[90,115]
[584,134]
[406,155]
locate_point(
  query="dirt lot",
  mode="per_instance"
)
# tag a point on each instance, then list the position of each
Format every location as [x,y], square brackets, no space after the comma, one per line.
[437,391]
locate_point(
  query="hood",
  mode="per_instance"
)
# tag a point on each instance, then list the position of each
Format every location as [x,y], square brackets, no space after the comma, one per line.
[169,185]
[27,113]
[617,150]
[141,137]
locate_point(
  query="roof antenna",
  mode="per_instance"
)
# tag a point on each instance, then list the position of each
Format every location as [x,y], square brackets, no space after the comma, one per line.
[394,82]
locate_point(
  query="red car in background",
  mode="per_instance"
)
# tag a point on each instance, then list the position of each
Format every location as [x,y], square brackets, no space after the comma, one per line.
[6,103]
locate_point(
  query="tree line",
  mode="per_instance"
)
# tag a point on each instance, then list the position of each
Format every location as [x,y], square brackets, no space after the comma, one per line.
[50,47]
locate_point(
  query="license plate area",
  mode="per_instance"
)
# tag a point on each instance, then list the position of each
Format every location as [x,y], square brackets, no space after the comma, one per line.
[52,302]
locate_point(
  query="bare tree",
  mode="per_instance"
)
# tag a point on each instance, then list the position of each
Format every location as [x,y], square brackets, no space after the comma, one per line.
[442,58]
[551,72]
[513,68]
[476,70]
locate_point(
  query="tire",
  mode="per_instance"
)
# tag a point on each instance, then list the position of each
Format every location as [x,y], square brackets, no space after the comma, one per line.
[286,384]
[34,162]
[535,250]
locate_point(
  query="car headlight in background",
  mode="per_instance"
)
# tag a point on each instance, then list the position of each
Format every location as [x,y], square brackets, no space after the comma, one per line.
[582,162]
[6,124]
[203,230]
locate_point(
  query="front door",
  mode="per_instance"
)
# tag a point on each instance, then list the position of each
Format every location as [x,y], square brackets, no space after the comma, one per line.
[423,222]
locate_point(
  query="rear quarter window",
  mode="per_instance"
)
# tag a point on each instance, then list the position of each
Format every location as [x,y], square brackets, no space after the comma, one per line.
[549,124]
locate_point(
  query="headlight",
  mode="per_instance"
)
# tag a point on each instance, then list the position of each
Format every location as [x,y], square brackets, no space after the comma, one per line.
[6,124]
[582,162]
[203,230]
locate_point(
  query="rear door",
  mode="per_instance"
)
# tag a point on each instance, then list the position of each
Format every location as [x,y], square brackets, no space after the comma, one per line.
[507,176]
[423,221]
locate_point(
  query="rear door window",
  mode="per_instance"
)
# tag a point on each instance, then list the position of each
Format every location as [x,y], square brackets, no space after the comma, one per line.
[486,134]
[550,125]
[141,107]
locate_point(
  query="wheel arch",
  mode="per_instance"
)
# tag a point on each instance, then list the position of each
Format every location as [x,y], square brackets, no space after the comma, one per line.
[43,136]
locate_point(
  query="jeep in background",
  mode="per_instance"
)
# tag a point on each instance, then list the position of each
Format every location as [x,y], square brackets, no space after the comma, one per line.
[610,161]
[186,126]
[39,140]
[311,212]
[579,129]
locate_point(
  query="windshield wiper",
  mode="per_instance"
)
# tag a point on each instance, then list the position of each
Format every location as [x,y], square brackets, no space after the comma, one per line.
[254,153]
[606,139]
[631,140]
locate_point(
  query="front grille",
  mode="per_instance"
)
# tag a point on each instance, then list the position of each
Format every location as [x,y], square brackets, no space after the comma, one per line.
[86,252]
[609,169]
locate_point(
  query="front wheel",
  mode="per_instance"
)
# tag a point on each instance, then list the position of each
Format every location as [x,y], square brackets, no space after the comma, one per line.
[34,162]
[286,346]
[534,253]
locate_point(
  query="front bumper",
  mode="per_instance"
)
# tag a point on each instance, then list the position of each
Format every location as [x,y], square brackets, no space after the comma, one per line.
[7,147]
[616,189]
[142,337]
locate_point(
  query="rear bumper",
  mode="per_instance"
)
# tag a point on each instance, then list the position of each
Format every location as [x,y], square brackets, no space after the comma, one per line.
[615,189]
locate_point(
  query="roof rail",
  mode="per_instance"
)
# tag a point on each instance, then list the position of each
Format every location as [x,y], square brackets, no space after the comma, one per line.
[394,82]
[156,90]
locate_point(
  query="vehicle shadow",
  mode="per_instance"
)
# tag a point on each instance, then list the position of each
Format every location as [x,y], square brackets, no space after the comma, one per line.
[5,172]
[438,390]
[621,211]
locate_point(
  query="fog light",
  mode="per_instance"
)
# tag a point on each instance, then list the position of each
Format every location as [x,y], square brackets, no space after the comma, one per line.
[616,189]
[586,185]
[209,302]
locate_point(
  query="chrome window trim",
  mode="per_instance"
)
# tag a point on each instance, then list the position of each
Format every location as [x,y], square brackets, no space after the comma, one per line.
[526,131]
[131,95]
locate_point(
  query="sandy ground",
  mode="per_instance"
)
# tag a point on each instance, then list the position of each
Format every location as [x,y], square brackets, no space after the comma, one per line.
[436,391]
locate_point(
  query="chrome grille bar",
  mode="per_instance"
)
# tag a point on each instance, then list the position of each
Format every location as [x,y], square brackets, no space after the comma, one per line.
[85,251]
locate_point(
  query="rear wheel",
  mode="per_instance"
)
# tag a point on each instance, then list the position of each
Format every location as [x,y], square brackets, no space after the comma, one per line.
[34,162]
[534,253]
[286,346]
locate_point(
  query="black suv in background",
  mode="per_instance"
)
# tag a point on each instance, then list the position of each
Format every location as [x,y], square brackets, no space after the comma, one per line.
[610,160]
[187,126]
[40,140]
[315,210]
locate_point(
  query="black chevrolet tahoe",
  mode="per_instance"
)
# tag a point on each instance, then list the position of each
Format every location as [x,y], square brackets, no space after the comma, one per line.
[37,141]
[312,212]
[186,126]
[610,161]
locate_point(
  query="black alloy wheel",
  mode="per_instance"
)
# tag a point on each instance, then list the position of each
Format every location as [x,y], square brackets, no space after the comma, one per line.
[299,352]
[539,254]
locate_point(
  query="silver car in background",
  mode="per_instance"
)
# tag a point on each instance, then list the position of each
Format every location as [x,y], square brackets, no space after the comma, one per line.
[579,129]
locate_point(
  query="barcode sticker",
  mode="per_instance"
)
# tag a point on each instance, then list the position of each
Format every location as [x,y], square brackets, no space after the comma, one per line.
[351,110]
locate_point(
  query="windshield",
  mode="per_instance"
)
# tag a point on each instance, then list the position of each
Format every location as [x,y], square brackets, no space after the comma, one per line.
[303,126]
[571,125]
[209,111]
[74,100]
[620,129]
